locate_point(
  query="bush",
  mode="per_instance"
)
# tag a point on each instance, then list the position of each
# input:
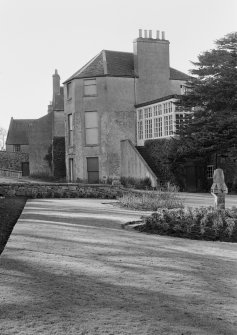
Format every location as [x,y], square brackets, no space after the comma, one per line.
[151,201]
[138,183]
[198,223]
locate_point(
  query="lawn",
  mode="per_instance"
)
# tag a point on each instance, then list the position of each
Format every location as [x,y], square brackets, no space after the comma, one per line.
[10,210]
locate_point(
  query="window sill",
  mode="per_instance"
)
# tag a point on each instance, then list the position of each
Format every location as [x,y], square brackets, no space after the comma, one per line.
[90,96]
[91,145]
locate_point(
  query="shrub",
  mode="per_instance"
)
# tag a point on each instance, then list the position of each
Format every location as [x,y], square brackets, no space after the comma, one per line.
[198,223]
[152,200]
[138,183]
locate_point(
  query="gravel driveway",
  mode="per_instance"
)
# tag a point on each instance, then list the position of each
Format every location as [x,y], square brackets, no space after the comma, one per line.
[69,268]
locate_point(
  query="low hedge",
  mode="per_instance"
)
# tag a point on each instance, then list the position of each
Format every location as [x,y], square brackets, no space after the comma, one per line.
[199,223]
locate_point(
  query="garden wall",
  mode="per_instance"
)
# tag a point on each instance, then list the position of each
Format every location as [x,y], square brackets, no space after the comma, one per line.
[31,190]
[12,160]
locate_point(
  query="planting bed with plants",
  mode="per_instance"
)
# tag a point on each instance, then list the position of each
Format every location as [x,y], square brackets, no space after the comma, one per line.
[10,210]
[198,223]
[151,201]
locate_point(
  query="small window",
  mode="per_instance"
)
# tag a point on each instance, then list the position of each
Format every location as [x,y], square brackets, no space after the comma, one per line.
[16,147]
[210,171]
[70,131]
[92,128]
[69,90]
[90,87]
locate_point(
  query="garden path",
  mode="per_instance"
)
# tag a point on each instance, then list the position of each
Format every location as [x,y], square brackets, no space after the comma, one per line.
[69,268]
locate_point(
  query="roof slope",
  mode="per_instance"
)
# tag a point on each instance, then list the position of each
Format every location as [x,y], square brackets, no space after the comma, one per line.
[18,131]
[115,64]
[178,75]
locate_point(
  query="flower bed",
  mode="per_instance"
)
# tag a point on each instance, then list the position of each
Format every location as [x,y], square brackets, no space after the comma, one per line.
[199,223]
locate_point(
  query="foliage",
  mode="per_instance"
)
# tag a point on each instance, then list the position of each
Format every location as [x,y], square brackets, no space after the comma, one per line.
[59,157]
[162,156]
[152,200]
[56,157]
[198,223]
[138,183]
[10,210]
[212,100]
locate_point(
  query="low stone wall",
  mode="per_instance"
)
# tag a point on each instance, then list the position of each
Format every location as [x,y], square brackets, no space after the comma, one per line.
[10,173]
[12,160]
[31,190]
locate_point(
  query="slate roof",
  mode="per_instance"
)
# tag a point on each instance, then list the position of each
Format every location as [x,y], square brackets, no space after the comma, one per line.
[116,64]
[178,75]
[18,131]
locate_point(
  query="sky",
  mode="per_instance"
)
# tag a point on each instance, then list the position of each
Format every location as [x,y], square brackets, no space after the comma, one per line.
[39,36]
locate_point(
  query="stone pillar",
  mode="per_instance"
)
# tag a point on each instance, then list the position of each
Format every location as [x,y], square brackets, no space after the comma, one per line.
[219,189]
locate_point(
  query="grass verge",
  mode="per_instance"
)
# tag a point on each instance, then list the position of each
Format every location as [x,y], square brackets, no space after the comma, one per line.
[10,210]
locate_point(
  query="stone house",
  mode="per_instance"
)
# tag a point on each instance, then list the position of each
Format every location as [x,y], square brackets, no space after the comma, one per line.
[100,100]
[35,136]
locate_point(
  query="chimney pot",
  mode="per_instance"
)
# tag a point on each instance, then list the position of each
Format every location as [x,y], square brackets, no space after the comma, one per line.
[163,35]
[140,32]
[157,34]
[145,31]
[150,33]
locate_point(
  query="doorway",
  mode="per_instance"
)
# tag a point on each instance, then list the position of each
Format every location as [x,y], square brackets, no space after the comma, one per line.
[25,169]
[93,170]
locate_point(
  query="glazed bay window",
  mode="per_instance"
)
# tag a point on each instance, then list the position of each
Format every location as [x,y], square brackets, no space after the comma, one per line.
[168,121]
[70,131]
[158,127]
[91,128]
[148,122]
[69,90]
[90,88]
[140,124]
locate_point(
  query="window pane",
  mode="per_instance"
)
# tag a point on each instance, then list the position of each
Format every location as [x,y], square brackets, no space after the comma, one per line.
[91,119]
[92,136]
[90,87]
[69,90]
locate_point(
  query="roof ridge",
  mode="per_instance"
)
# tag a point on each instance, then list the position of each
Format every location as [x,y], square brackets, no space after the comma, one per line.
[124,52]
[83,67]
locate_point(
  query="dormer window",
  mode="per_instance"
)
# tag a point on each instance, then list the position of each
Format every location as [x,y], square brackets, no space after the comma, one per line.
[90,88]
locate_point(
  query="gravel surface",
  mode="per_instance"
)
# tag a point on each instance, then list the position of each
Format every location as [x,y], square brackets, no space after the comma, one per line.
[69,268]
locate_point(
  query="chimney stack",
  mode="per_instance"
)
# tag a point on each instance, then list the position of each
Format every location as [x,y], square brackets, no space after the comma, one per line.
[148,34]
[56,83]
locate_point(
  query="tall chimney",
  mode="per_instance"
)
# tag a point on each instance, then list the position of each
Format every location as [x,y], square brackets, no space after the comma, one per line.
[163,35]
[140,32]
[150,33]
[56,83]
[151,66]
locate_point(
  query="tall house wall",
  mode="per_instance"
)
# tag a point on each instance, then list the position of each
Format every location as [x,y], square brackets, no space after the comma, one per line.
[59,124]
[40,139]
[152,68]
[114,103]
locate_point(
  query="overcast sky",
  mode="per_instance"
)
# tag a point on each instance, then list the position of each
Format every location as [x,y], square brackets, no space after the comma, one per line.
[39,36]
